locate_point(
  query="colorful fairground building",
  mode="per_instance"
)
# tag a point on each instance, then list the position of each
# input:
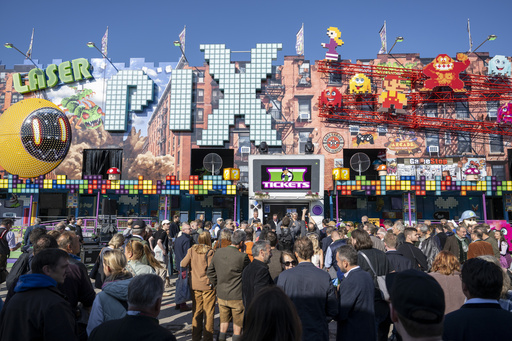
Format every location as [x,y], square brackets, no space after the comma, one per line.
[397,136]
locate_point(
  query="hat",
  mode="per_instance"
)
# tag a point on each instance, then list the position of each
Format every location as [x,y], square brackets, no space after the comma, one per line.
[140,223]
[467,215]
[416,296]
[166,222]
[220,219]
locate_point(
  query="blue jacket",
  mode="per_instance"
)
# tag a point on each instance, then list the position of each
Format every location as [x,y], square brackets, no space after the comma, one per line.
[181,246]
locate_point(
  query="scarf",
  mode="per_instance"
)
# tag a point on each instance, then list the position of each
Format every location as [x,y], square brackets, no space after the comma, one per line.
[464,243]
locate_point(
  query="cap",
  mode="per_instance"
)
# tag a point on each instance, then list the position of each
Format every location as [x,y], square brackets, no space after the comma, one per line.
[166,222]
[467,215]
[220,219]
[140,223]
[416,296]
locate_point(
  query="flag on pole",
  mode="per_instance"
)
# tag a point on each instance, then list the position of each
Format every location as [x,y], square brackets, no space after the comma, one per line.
[470,40]
[383,40]
[28,55]
[104,43]
[299,44]
[182,38]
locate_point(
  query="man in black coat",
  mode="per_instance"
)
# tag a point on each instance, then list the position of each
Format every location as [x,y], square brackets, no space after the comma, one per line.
[410,251]
[256,275]
[481,317]
[273,222]
[181,246]
[396,259]
[141,320]
[311,291]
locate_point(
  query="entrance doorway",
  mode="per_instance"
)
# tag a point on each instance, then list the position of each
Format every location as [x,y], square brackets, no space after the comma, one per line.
[282,209]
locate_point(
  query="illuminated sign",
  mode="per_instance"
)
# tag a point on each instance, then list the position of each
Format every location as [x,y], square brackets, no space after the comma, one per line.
[296,177]
[67,72]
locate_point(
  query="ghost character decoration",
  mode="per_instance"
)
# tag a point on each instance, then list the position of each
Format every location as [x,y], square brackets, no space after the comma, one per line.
[114,174]
[334,35]
[505,113]
[444,71]
[331,97]
[392,97]
[499,65]
[360,84]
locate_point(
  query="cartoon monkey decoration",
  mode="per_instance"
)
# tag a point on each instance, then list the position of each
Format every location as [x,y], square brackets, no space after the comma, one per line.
[444,71]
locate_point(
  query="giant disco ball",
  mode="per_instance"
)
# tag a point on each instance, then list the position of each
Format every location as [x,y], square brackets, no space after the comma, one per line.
[35,136]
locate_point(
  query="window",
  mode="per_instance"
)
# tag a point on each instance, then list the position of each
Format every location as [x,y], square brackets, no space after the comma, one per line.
[462,110]
[498,171]
[430,109]
[432,139]
[305,109]
[354,129]
[244,174]
[447,138]
[464,143]
[275,111]
[335,78]
[2,100]
[16,97]
[304,74]
[382,130]
[200,96]
[200,114]
[496,143]
[178,159]
[198,77]
[303,138]
[492,109]
[3,77]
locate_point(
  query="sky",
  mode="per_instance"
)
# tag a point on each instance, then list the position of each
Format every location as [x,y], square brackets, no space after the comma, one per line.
[146,29]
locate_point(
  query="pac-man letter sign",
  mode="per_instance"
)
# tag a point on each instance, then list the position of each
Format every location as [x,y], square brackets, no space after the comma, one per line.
[34,137]
[231,174]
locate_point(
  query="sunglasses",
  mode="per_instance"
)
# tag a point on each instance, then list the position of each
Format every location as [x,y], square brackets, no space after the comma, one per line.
[294,263]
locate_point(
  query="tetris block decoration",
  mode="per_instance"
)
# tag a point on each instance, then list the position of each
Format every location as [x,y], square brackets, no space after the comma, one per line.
[180,111]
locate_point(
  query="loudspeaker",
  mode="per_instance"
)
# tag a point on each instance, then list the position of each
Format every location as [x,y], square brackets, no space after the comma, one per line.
[109,206]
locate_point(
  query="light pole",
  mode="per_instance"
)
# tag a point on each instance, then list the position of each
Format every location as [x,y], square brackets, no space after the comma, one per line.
[91,45]
[489,38]
[11,46]
[178,44]
[397,40]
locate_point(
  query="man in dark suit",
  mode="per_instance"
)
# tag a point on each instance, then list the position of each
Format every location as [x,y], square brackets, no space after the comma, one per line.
[311,291]
[481,317]
[274,266]
[225,274]
[273,223]
[181,246]
[418,259]
[356,318]
[396,259]
[141,320]
[256,275]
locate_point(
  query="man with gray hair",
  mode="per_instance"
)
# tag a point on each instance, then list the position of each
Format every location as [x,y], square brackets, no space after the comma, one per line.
[225,274]
[398,231]
[256,275]
[141,320]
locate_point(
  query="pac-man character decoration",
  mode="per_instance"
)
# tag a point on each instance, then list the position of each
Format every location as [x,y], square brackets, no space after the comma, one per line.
[392,97]
[331,97]
[444,71]
[360,84]
[35,136]
[334,35]
[499,66]
[505,113]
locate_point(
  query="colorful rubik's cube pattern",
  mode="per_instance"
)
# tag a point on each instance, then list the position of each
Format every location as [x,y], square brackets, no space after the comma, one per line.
[409,183]
[211,184]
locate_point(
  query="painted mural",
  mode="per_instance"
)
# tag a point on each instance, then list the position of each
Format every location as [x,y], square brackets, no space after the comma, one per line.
[85,105]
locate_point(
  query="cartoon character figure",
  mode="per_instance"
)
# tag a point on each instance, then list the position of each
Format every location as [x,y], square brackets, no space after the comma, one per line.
[505,113]
[83,110]
[393,95]
[335,40]
[286,175]
[364,138]
[360,84]
[499,65]
[114,173]
[444,71]
[331,97]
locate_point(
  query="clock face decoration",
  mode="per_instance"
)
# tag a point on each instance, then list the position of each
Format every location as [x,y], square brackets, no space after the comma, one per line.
[35,136]
[333,142]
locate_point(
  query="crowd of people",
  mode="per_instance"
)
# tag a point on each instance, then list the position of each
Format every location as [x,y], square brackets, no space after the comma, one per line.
[283,280]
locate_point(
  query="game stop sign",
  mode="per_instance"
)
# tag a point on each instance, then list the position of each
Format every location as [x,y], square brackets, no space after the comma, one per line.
[333,142]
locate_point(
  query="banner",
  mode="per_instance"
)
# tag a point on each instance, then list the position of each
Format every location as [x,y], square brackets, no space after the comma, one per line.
[29,51]
[104,43]
[299,44]
[383,40]
[470,40]
[182,38]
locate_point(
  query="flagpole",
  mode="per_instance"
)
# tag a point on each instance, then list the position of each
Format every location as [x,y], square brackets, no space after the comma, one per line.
[469,36]
[303,41]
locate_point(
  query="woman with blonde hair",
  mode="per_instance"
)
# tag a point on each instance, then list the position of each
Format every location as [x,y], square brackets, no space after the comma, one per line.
[135,252]
[446,271]
[111,303]
[115,243]
[318,255]
[197,259]
[334,35]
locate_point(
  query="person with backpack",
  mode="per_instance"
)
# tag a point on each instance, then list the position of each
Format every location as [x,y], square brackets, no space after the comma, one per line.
[286,235]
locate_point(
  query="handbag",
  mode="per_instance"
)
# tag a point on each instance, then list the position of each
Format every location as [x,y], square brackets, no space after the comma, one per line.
[381,280]
[94,270]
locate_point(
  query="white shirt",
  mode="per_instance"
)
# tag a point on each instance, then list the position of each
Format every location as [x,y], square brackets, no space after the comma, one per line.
[346,274]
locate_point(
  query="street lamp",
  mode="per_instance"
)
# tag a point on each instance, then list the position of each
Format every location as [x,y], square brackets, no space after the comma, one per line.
[397,40]
[11,46]
[177,43]
[489,38]
[91,45]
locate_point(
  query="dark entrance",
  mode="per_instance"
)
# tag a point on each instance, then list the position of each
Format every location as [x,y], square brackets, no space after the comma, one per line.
[282,209]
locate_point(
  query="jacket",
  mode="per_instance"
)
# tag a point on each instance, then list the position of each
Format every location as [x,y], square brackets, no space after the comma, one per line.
[198,263]
[479,248]
[430,248]
[417,257]
[452,287]
[275,267]
[110,304]
[398,261]
[37,311]
[130,327]
[254,278]
[225,272]
[137,268]
[181,246]
[453,245]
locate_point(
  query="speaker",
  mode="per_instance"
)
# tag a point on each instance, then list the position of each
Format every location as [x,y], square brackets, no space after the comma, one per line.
[109,206]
